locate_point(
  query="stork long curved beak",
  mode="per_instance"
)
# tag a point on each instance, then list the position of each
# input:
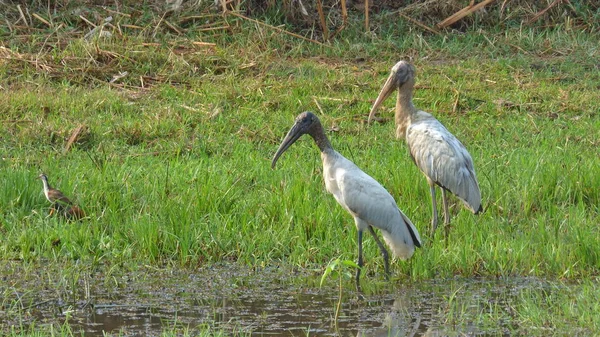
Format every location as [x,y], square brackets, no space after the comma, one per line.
[385,92]
[289,139]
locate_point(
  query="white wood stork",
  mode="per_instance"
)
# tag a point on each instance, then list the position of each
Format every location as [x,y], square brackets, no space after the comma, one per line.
[441,157]
[362,196]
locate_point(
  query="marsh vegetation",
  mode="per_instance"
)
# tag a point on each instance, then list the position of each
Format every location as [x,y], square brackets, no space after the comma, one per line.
[177,124]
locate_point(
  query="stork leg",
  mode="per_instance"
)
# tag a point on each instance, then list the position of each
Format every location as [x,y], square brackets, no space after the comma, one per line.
[360,261]
[446,213]
[384,253]
[434,220]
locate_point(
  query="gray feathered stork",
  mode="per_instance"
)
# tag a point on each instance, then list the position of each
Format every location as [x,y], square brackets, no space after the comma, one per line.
[441,157]
[60,203]
[362,196]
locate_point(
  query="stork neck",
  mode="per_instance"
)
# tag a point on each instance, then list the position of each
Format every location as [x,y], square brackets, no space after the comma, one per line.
[318,134]
[405,109]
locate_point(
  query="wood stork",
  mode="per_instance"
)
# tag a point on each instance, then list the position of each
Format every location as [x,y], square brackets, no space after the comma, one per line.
[362,196]
[60,203]
[441,157]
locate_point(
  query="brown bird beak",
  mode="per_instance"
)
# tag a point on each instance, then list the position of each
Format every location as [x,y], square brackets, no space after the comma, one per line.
[292,136]
[388,88]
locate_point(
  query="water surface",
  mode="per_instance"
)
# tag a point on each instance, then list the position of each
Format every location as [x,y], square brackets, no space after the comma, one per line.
[266,302]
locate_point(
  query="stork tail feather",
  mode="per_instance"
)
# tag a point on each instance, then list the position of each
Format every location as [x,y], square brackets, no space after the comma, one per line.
[402,240]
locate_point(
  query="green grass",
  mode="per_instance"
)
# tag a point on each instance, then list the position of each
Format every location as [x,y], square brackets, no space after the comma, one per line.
[66,331]
[174,165]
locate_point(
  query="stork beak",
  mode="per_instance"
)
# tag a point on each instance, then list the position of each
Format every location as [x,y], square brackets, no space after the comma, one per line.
[289,139]
[385,92]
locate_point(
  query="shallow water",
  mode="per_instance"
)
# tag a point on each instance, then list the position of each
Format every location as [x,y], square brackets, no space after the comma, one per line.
[268,302]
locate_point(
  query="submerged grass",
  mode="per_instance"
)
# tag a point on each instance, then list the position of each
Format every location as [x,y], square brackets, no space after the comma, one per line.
[173,165]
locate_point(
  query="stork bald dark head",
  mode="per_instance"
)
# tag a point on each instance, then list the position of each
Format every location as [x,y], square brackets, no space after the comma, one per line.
[306,123]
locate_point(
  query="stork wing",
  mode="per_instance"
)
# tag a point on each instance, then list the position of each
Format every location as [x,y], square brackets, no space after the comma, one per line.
[444,160]
[366,199]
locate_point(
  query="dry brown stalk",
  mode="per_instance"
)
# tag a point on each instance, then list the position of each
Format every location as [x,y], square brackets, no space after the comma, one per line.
[322,20]
[543,11]
[87,21]
[204,44]
[455,105]
[344,18]
[318,105]
[22,16]
[42,19]
[117,12]
[9,26]
[462,13]
[8,54]
[131,26]
[275,28]
[367,15]
[17,121]
[170,25]
[118,27]
[211,29]
[519,48]
[158,25]
[74,136]
[197,17]
[502,7]
[429,29]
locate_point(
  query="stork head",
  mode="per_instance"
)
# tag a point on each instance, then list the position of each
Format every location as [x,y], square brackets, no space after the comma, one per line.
[43,177]
[306,122]
[401,76]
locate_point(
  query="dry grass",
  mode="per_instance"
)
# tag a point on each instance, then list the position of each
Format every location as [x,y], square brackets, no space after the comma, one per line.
[313,19]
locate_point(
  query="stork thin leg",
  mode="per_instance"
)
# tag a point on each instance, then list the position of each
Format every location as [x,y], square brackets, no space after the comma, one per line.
[434,220]
[386,257]
[360,261]
[446,212]
[446,216]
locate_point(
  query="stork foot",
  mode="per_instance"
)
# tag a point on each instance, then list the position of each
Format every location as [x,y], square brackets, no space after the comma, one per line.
[358,288]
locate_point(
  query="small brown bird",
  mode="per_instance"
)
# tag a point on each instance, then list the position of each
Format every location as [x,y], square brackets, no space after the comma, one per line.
[60,203]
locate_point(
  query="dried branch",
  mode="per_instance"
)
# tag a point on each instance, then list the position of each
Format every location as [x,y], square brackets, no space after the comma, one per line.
[322,20]
[74,137]
[429,29]
[366,15]
[275,28]
[462,13]
[543,11]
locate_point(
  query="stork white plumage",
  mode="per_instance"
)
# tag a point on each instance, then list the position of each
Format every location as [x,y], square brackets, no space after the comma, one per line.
[441,157]
[362,196]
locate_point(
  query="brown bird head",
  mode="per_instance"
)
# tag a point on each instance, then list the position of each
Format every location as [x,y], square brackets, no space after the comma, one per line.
[43,177]
[402,77]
